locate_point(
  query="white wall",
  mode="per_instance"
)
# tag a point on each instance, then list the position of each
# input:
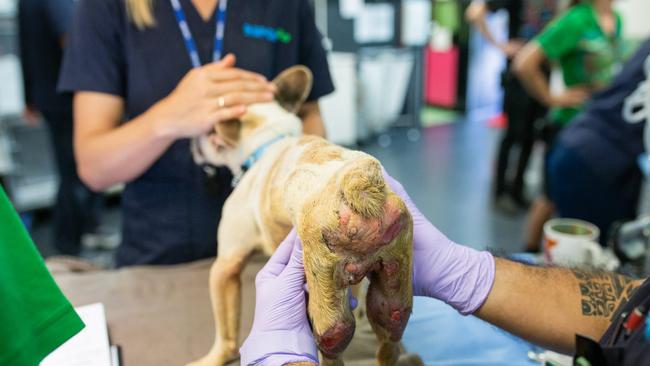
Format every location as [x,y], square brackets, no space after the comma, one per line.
[635,17]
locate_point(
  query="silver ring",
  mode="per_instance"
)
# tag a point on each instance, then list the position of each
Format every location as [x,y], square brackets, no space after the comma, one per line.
[222,102]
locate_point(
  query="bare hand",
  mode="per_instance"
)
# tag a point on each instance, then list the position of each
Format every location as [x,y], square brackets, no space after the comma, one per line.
[571,97]
[210,94]
[31,116]
[512,47]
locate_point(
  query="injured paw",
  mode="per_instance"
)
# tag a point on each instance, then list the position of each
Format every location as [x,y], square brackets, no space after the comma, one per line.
[333,341]
[388,313]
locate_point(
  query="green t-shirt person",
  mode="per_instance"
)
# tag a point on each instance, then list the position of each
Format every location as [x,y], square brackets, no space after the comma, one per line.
[587,56]
[35,317]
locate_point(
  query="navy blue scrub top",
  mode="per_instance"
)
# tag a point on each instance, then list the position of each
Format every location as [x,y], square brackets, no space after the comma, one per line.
[601,136]
[169,214]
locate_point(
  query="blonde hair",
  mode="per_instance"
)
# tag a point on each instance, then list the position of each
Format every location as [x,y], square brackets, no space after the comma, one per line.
[141,13]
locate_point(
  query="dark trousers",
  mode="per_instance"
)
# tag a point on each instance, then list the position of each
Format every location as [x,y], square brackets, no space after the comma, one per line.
[77,208]
[522,112]
[580,193]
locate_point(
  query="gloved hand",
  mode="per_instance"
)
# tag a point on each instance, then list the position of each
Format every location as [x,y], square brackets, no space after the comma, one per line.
[458,275]
[281,333]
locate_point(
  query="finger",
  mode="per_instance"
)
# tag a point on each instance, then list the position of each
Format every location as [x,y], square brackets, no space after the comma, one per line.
[220,75]
[226,114]
[295,261]
[244,98]
[226,62]
[242,86]
[280,258]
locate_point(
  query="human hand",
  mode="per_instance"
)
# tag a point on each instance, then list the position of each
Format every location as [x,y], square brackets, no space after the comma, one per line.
[281,333]
[571,97]
[512,47]
[458,275]
[210,94]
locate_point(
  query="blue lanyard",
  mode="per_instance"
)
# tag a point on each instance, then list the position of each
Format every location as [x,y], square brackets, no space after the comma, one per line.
[187,35]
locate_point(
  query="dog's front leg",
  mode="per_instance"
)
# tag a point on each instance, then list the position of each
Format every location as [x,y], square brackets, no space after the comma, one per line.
[390,298]
[329,307]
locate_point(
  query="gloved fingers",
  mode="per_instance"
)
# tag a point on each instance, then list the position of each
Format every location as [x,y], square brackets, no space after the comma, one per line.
[295,259]
[294,273]
[280,258]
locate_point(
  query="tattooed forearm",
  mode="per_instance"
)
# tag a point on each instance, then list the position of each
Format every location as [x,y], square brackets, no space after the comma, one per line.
[603,293]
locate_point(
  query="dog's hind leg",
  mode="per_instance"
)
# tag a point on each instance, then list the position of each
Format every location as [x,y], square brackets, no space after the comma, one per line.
[225,295]
[390,299]
[238,238]
[225,278]
[329,308]
[331,362]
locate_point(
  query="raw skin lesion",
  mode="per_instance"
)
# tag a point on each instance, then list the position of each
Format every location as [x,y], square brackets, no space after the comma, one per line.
[603,293]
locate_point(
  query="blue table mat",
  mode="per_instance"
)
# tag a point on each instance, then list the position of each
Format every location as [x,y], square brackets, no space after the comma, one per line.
[441,336]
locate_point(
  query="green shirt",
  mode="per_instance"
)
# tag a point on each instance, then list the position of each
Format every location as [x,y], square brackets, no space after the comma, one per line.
[35,317]
[587,56]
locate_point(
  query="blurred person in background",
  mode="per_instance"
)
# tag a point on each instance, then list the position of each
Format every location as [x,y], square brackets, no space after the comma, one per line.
[593,166]
[149,75]
[526,19]
[43,27]
[587,44]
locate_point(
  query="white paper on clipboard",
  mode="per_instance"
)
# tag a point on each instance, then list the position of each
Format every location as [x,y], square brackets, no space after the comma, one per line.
[89,347]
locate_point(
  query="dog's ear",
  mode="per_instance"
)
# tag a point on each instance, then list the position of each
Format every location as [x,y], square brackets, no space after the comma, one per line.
[294,85]
[229,131]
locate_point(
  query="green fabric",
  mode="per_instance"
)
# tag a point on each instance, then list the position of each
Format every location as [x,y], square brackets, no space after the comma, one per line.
[35,317]
[587,56]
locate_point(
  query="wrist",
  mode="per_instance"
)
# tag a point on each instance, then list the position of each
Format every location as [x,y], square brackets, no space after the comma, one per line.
[552,101]
[467,280]
[161,121]
[279,348]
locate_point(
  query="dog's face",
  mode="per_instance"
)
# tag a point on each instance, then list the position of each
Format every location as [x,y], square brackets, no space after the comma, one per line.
[231,141]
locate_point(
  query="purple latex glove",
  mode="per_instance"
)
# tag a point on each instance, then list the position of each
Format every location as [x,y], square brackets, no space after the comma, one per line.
[281,333]
[458,275]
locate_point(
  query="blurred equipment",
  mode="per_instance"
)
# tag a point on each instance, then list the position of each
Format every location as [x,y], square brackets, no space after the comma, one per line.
[441,70]
[27,169]
[32,181]
[384,75]
[339,109]
[570,242]
[631,242]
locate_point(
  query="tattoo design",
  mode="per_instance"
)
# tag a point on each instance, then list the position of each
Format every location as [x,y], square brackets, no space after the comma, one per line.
[603,293]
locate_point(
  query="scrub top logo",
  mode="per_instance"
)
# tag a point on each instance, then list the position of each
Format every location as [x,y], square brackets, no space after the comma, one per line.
[272,35]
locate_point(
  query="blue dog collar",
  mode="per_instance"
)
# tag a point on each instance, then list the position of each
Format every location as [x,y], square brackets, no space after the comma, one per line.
[257,154]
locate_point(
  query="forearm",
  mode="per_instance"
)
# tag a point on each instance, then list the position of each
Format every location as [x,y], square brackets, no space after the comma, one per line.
[312,121]
[549,306]
[528,67]
[119,155]
[475,14]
